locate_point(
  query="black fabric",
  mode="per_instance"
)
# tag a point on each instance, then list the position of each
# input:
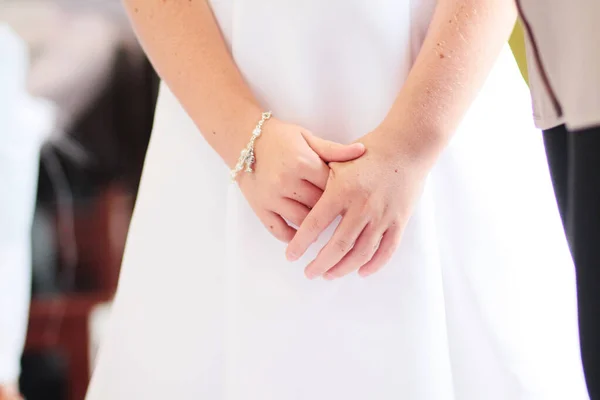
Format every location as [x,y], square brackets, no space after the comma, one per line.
[574,159]
[44,376]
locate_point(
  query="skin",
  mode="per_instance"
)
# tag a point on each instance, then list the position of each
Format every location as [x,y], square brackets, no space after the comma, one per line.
[375,192]
[9,392]
[185,45]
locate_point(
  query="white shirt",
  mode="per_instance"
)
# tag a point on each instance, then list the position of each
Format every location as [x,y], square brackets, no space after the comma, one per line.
[566,34]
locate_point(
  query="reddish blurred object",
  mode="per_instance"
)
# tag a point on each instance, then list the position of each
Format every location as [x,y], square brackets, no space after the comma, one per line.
[102,240]
[107,110]
[63,322]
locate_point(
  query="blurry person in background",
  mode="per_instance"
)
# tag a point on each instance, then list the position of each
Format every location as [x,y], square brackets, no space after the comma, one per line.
[24,123]
[564,71]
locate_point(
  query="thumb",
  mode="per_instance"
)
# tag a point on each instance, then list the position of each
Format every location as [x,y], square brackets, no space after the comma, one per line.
[333,152]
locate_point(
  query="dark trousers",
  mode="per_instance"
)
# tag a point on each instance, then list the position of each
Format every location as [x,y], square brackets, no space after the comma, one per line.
[574,159]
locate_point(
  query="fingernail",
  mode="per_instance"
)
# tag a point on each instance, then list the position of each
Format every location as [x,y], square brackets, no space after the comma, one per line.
[329,276]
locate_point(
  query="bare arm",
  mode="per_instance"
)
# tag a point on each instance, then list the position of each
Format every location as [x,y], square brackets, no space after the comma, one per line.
[376,193]
[185,45]
[461,46]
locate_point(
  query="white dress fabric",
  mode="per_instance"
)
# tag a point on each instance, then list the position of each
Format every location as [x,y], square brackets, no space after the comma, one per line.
[478,303]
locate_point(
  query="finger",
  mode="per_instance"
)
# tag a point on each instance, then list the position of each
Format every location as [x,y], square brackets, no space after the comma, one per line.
[333,152]
[319,218]
[362,252]
[306,193]
[292,211]
[342,241]
[317,174]
[277,226]
[385,251]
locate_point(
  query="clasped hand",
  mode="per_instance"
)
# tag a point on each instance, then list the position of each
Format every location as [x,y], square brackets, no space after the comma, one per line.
[308,181]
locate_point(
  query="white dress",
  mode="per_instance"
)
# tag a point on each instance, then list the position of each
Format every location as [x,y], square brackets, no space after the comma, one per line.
[478,303]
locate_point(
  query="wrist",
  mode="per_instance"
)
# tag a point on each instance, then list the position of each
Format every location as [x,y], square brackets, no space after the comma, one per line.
[236,134]
[247,156]
[416,146]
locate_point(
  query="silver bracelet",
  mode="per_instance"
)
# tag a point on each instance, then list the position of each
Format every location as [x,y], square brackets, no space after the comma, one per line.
[247,158]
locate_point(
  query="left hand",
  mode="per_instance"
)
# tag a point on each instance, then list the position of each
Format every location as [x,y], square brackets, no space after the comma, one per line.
[375,194]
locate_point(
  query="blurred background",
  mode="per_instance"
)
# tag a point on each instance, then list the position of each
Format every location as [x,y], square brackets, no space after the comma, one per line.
[77,98]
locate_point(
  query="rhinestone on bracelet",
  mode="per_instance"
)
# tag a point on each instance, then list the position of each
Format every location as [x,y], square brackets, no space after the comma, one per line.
[247,158]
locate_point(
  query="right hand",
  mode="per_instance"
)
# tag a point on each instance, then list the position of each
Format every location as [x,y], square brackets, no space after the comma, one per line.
[289,177]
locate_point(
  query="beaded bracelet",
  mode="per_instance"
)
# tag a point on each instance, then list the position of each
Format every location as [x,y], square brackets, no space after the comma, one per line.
[247,157]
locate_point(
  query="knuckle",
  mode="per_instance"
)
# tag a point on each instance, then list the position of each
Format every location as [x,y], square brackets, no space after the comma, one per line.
[279,178]
[348,187]
[362,186]
[288,174]
[342,245]
[295,163]
[313,224]
[284,183]
[364,255]
[301,163]
[371,207]
[355,197]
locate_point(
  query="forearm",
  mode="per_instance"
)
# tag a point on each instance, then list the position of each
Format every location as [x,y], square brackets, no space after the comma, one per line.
[185,45]
[464,40]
